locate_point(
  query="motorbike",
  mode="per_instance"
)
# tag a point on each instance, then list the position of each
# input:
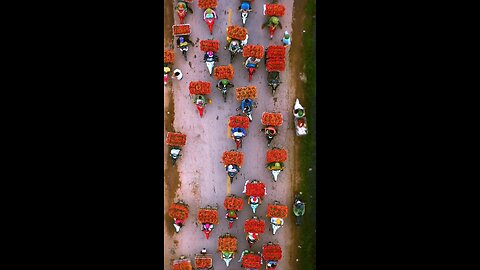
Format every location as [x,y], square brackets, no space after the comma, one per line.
[231,219]
[251,69]
[274,81]
[245,9]
[175,154]
[184,50]
[207,228]
[300,119]
[246,108]
[200,103]
[238,135]
[210,61]
[232,171]
[276,221]
[204,256]
[275,171]
[270,133]
[252,238]
[254,202]
[210,22]
[227,257]
[224,89]
[178,223]
[298,209]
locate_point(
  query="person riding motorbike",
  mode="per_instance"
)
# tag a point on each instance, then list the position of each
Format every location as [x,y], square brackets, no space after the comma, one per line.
[232,168]
[183,5]
[275,166]
[247,105]
[233,46]
[238,132]
[252,62]
[210,56]
[231,214]
[184,41]
[286,40]
[224,83]
[200,100]
[209,14]
[273,21]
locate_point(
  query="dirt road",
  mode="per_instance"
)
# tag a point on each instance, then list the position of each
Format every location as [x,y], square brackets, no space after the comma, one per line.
[201,176]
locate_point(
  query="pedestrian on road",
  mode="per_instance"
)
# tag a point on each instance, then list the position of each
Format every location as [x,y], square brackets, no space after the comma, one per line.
[286,39]
[178,74]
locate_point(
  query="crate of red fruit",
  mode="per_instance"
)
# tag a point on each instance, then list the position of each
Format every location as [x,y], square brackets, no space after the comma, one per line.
[176,139]
[232,158]
[276,10]
[251,261]
[209,45]
[276,155]
[227,243]
[255,51]
[178,211]
[272,119]
[238,121]
[168,56]
[208,216]
[181,29]
[246,92]
[204,4]
[223,72]
[255,189]
[199,88]
[184,264]
[254,226]
[276,52]
[237,32]
[203,261]
[233,203]
[277,211]
[272,252]
[275,65]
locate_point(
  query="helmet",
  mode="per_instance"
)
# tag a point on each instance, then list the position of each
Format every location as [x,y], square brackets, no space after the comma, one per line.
[231,213]
[245,6]
[275,20]
[277,164]
[234,43]
[208,10]
[182,39]
[224,81]
[181,5]
[287,35]
[210,54]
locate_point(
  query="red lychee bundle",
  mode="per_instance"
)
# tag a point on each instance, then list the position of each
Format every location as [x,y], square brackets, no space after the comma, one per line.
[232,158]
[168,56]
[255,189]
[272,119]
[223,72]
[236,32]
[176,139]
[209,45]
[254,226]
[199,88]
[253,51]
[238,121]
[276,155]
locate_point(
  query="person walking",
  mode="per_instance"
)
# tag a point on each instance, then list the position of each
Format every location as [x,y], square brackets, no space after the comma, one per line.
[178,74]
[286,39]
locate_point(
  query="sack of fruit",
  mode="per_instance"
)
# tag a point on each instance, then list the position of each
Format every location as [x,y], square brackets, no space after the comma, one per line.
[276,52]
[251,261]
[208,216]
[176,139]
[182,265]
[202,262]
[238,121]
[277,211]
[168,56]
[272,252]
[276,155]
[253,51]
[275,65]
[204,4]
[277,10]
[232,158]
[272,119]
[254,226]
[223,72]
[199,88]
[181,29]
[236,32]
[233,203]
[209,45]
[227,243]
[255,189]
[178,211]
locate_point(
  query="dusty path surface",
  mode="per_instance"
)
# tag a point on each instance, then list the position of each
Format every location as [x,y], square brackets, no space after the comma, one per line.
[201,178]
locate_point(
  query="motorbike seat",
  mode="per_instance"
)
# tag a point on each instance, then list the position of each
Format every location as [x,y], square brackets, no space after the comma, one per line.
[251,65]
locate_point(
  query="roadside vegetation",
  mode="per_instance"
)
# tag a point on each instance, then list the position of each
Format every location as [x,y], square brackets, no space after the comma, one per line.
[307,252]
